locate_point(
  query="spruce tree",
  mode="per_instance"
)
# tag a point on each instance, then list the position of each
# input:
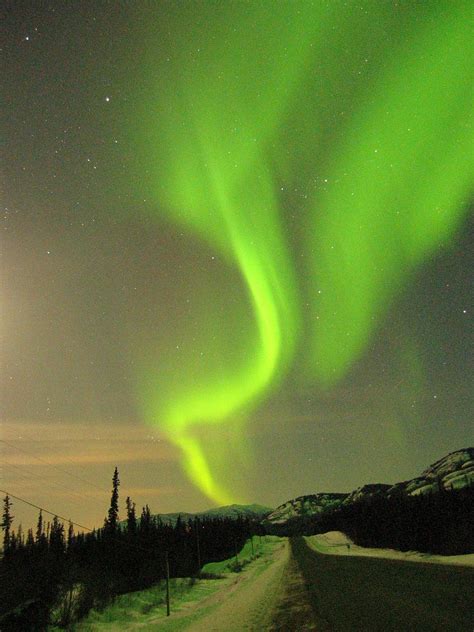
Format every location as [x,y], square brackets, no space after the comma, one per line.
[30,541]
[70,534]
[56,537]
[131,517]
[39,527]
[111,522]
[145,520]
[7,520]
[13,542]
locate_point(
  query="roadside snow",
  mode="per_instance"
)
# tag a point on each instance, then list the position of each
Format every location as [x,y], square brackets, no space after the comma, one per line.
[338,543]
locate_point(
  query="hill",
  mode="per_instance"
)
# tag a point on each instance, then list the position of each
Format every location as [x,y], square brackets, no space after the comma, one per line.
[455,471]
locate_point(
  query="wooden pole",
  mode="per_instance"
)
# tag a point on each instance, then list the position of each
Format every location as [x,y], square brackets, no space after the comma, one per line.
[167,585]
[251,541]
[198,547]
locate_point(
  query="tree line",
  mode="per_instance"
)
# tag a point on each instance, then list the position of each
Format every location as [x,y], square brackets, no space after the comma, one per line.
[439,522]
[54,574]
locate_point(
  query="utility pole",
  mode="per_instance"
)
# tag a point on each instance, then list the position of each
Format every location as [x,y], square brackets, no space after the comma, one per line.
[167,585]
[251,542]
[198,546]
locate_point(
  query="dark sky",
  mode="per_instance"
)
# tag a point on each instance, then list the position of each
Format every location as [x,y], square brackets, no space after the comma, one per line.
[103,278]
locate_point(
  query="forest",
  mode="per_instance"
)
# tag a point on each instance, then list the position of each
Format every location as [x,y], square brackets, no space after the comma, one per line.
[53,574]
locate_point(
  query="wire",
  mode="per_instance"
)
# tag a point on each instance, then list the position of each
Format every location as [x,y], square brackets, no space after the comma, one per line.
[81,526]
[51,513]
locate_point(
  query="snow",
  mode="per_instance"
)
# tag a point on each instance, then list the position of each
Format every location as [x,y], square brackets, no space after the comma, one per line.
[338,543]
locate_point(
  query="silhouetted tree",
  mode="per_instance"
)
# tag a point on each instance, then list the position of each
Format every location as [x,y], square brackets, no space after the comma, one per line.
[20,535]
[70,534]
[7,520]
[39,527]
[56,537]
[145,520]
[30,541]
[131,517]
[111,522]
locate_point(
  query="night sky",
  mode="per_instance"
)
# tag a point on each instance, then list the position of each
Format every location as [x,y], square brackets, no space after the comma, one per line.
[237,249]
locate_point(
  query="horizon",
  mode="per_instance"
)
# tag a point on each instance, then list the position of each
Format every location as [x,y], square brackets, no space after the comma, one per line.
[97,493]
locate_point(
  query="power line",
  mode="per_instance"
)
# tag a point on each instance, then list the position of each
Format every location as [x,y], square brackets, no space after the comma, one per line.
[51,513]
[81,526]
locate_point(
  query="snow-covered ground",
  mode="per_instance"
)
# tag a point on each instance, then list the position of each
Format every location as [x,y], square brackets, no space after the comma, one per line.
[338,543]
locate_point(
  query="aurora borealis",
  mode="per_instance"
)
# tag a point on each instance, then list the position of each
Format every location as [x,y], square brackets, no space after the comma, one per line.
[386,205]
[246,227]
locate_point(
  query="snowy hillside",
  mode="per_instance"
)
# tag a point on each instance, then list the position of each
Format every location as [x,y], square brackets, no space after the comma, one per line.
[453,471]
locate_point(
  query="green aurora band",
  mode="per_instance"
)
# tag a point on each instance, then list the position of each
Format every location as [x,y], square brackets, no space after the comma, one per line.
[321,157]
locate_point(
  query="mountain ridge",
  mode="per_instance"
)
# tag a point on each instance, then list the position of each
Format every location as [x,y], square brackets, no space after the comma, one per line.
[453,471]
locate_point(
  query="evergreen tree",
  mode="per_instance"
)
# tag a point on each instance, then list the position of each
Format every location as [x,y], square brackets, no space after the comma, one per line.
[56,537]
[145,520]
[39,527]
[20,535]
[13,542]
[111,522]
[7,520]
[131,517]
[30,541]
[70,534]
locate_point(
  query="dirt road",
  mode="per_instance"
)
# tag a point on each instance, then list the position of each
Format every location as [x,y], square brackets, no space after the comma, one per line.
[248,603]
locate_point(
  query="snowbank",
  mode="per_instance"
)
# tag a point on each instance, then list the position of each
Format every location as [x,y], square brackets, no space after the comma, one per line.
[338,543]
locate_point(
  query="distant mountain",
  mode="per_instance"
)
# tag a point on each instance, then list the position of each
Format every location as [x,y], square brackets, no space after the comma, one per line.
[453,471]
[229,511]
